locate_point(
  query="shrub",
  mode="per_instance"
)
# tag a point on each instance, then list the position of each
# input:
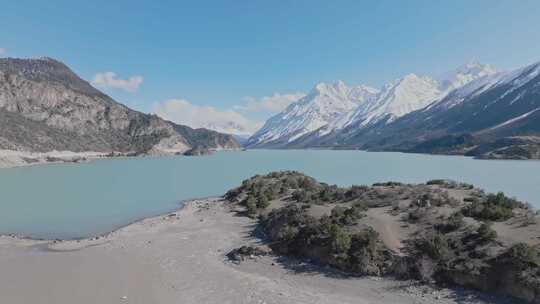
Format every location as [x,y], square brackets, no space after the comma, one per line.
[437,182]
[290,182]
[340,240]
[523,255]
[347,216]
[416,214]
[299,195]
[486,233]
[496,207]
[466,186]
[251,204]
[388,184]
[454,222]
[470,199]
[338,212]
[435,246]
[366,255]
[262,202]
[355,192]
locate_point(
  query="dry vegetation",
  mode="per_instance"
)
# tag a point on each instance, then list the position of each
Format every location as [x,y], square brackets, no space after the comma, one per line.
[439,232]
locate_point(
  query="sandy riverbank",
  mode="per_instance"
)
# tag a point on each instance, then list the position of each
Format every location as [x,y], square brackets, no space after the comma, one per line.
[180,258]
[11,158]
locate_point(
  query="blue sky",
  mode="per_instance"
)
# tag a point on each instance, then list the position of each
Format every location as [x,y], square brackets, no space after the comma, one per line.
[223,53]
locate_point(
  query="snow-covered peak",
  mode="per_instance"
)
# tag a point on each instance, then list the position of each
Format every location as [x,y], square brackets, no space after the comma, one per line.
[514,79]
[333,107]
[407,94]
[396,99]
[363,93]
[464,74]
[323,104]
[337,89]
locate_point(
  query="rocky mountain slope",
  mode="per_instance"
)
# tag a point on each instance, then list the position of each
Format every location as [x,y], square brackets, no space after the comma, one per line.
[405,95]
[44,106]
[325,103]
[394,100]
[495,117]
[471,111]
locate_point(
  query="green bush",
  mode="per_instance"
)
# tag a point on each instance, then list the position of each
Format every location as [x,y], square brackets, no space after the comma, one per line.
[495,207]
[340,240]
[435,246]
[347,216]
[453,223]
[486,233]
[251,204]
[366,255]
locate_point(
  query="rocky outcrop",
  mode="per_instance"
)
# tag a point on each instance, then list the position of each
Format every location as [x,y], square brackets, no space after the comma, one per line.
[44,106]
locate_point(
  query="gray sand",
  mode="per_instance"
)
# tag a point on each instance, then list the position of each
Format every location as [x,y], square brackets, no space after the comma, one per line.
[181,259]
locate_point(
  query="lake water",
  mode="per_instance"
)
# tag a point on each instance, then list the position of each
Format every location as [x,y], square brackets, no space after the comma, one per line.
[80,200]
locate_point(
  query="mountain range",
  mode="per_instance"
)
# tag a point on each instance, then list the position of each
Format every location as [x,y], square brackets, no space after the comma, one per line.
[473,110]
[45,106]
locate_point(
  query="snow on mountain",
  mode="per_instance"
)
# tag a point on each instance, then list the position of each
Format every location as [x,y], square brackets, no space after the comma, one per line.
[322,105]
[403,96]
[514,79]
[409,94]
[463,75]
[331,108]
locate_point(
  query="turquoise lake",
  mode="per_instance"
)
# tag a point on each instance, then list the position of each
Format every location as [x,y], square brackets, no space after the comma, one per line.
[81,200]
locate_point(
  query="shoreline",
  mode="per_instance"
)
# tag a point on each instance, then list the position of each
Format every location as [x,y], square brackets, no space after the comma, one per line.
[182,255]
[17,159]
[181,205]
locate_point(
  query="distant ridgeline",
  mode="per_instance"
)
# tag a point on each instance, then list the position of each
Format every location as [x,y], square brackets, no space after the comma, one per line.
[442,231]
[44,106]
[472,111]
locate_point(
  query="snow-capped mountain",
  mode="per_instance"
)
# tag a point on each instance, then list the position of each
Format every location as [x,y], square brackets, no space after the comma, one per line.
[472,110]
[322,105]
[403,96]
[514,79]
[463,75]
[494,116]
[489,103]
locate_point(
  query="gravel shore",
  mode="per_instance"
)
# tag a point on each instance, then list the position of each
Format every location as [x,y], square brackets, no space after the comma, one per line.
[180,258]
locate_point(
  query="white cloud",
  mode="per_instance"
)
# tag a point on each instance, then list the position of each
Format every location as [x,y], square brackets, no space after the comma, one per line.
[110,80]
[274,104]
[2,51]
[183,112]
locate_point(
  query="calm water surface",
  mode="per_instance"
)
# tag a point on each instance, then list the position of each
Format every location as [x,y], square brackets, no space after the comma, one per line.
[79,200]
